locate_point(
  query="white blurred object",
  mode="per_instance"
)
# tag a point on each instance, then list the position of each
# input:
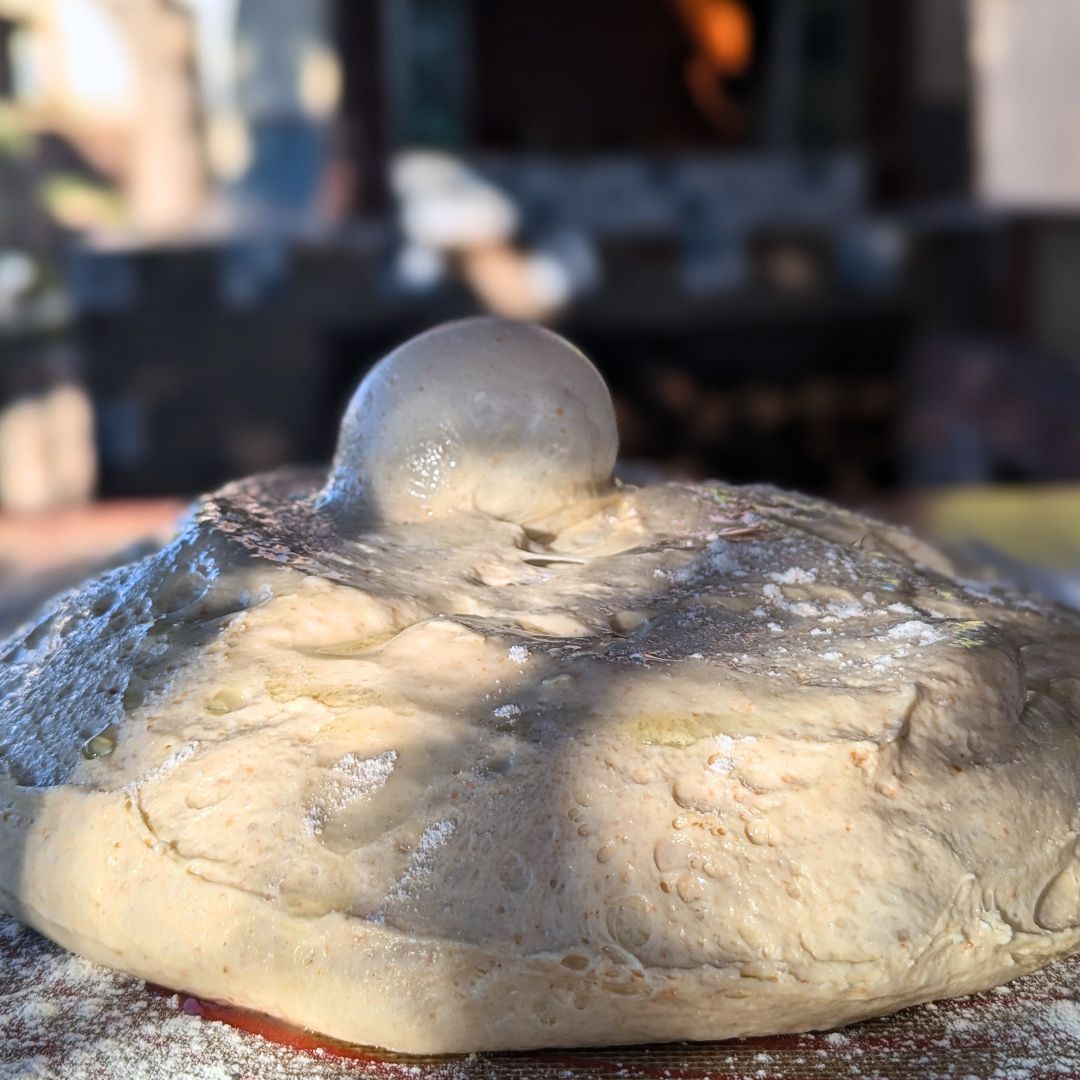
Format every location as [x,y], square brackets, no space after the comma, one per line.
[17,274]
[320,81]
[446,205]
[1027,83]
[24,471]
[101,76]
[228,144]
[68,420]
[420,268]
[47,453]
[450,210]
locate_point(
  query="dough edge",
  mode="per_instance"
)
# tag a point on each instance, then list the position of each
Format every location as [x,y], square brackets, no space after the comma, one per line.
[362,983]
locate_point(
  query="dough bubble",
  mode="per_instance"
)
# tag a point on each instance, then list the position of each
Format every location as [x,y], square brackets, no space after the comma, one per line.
[484,414]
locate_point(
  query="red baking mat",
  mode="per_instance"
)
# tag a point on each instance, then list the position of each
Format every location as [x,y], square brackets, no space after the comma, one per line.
[62,1018]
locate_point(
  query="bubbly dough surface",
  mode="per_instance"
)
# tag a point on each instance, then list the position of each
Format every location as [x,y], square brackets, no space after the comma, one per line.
[675,762]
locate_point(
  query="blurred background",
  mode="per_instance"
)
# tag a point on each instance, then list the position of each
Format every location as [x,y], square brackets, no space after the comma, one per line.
[832,244]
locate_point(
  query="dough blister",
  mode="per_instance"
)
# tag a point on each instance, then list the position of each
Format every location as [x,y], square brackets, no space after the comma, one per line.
[482,414]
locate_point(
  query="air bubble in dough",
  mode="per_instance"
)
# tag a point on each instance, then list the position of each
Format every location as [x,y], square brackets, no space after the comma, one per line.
[481,414]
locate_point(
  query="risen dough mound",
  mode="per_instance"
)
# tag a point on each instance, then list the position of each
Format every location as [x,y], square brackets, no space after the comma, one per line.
[688,762]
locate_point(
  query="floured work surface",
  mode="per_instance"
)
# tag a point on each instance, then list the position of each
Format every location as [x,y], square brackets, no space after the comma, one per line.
[64,1018]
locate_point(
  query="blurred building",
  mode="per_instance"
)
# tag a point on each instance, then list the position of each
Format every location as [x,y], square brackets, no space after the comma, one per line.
[787,230]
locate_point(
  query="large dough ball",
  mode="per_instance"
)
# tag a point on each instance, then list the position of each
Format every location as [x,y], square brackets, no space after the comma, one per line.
[676,762]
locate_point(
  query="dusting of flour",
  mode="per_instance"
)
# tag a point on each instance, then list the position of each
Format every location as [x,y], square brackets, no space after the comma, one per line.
[351,780]
[63,1018]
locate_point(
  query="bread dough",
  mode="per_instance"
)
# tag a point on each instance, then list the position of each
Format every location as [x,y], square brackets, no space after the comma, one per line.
[674,762]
